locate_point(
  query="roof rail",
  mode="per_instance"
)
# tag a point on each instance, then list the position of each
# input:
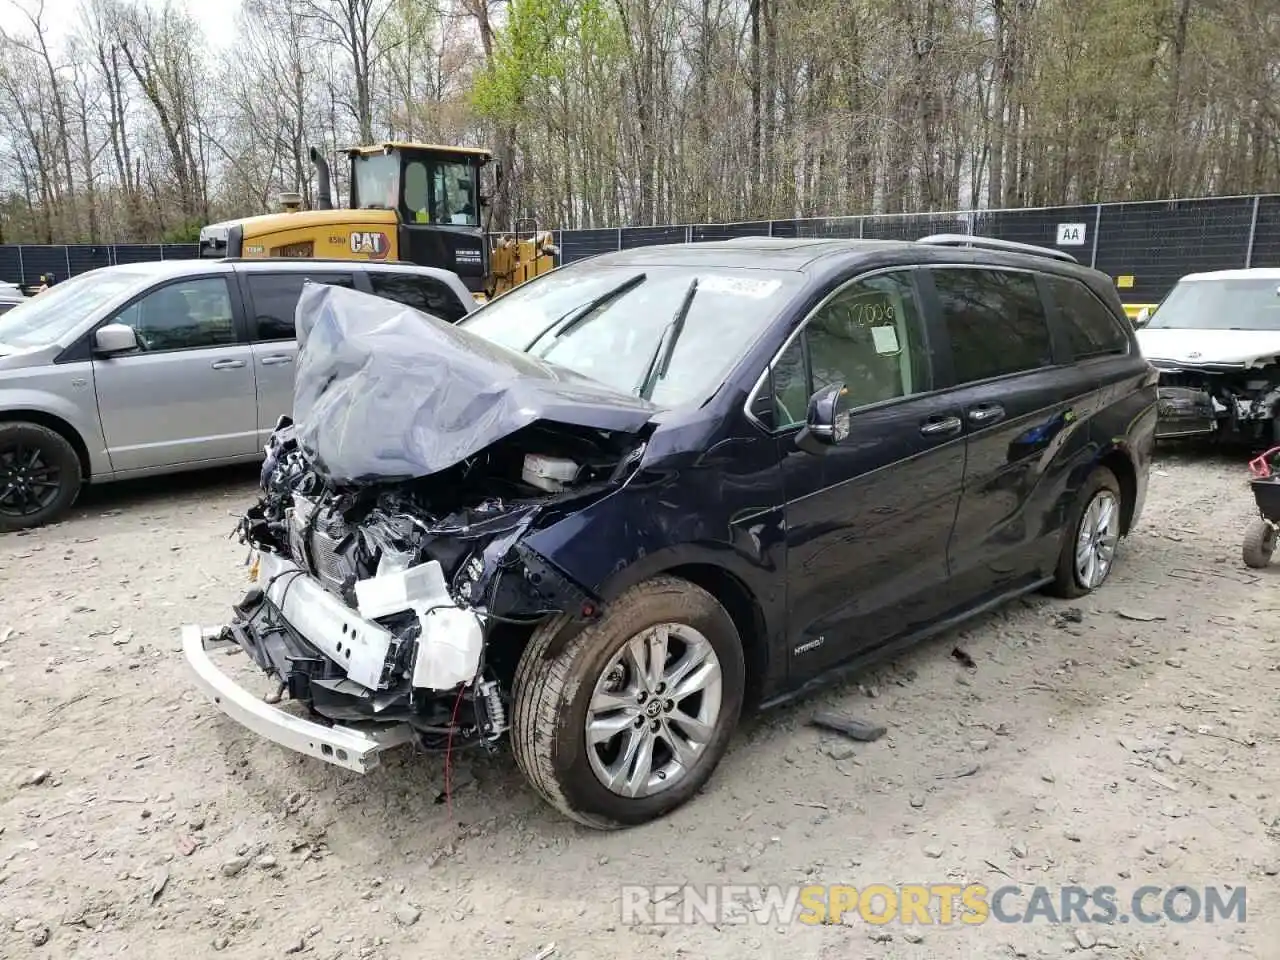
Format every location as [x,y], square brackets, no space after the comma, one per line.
[990,243]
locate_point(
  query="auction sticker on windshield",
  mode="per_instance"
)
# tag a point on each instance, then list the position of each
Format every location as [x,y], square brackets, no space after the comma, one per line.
[739,286]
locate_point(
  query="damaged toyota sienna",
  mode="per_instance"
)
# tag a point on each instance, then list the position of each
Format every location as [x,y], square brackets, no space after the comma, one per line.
[621,504]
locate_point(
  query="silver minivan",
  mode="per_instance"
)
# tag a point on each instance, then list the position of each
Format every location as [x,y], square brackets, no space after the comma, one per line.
[10,296]
[150,368]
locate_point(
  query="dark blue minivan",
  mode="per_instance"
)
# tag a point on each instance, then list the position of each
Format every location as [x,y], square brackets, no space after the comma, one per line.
[612,509]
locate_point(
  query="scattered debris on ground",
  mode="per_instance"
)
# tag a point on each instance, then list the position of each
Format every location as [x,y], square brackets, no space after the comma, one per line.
[1126,738]
[851,727]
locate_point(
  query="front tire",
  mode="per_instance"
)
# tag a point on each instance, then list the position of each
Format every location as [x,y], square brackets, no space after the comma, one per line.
[630,718]
[1090,538]
[1259,544]
[39,475]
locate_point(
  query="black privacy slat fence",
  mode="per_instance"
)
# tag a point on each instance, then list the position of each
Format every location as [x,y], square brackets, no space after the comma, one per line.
[1145,246]
[26,263]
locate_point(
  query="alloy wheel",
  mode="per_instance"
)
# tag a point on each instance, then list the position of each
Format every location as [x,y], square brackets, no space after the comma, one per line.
[653,710]
[1097,538]
[29,482]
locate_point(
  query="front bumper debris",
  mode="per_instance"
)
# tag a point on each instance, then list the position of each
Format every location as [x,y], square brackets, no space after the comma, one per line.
[349,746]
[1185,412]
[377,686]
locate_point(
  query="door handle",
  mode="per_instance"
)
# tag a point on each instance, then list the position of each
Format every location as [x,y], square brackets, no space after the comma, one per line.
[227,364]
[275,359]
[941,426]
[987,413]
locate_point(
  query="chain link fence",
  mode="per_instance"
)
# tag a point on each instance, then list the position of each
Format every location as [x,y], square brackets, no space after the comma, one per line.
[1145,246]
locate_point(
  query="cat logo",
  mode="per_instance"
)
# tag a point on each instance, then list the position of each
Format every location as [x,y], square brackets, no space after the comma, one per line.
[372,245]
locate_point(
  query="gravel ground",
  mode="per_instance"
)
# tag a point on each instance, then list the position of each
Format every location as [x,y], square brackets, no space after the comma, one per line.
[1129,740]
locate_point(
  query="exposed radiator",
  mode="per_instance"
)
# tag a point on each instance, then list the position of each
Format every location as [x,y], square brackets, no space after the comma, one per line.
[322,560]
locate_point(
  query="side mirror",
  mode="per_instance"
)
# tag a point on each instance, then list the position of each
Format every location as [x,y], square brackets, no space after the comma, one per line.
[827,422]
[1143,317]
[115,338]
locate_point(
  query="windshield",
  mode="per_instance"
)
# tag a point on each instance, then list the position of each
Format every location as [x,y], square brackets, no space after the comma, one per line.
[1241,304]
[376,181]
[47,317]
[616,343]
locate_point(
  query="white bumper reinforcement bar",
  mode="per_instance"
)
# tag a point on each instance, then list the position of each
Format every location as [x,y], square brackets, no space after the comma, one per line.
[352,747]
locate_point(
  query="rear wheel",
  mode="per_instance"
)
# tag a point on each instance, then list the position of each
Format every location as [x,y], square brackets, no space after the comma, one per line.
[629,720]
[1091,536]
[1259,544]
[39,475]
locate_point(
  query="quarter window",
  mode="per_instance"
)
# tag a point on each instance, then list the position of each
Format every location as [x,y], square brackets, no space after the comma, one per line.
[275,300]
[182,316]
[995,320]
[420,292]
[1092,330]
[869,336]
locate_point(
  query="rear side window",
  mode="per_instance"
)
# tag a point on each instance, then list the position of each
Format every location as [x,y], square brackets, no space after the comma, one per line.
[420,292]
[996,322]
[1092,330]
[275,299]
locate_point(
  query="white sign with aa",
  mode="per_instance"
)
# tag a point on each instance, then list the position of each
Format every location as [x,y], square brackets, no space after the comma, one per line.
[1071,234]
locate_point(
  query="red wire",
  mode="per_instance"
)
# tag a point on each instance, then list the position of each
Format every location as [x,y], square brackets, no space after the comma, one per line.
[448,753]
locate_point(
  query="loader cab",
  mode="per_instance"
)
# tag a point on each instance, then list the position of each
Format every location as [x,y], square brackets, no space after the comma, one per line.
[435,192]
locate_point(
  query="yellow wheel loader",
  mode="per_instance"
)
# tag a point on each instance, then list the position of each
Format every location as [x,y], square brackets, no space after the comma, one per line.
[410,202]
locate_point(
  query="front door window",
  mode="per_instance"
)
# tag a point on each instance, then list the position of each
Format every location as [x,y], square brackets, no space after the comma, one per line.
[182,316]
[869,336]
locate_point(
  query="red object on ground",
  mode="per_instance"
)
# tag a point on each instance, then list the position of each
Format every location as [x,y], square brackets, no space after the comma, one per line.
[1260,466]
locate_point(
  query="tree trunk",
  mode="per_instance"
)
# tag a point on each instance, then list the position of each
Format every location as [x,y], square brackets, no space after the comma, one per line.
[1001,76]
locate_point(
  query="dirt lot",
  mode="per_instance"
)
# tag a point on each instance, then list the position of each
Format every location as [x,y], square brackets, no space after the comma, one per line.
[1119,750]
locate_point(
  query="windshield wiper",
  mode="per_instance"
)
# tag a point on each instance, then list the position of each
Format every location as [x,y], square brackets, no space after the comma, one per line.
[661,358]
[572,318]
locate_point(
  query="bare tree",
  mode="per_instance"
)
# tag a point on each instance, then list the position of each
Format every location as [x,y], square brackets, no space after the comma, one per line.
[606,112]
[355,26]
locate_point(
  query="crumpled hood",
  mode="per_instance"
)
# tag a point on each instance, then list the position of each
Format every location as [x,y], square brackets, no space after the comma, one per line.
[1199,348]
[383,392]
